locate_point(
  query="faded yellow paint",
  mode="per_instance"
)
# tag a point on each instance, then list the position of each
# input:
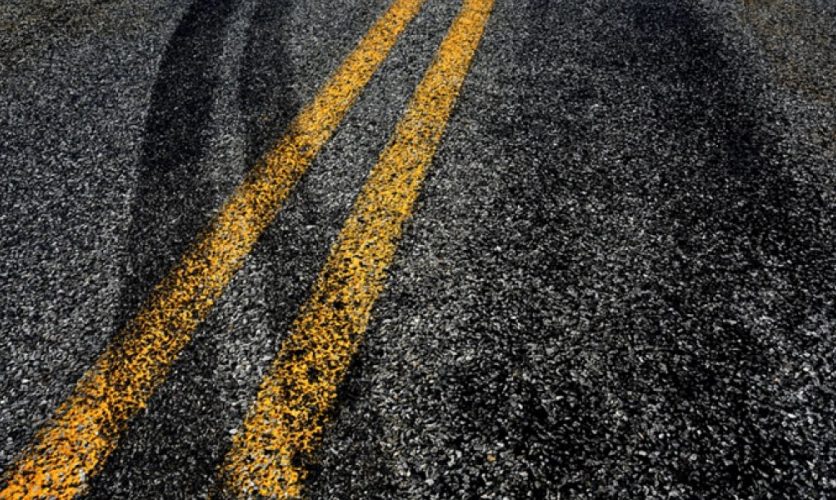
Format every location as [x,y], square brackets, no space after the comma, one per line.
[286,420]
[785,31]
[74,444]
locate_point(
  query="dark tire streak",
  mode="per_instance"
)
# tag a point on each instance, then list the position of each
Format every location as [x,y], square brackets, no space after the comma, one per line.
[266,99]
[266,102]
[172,449]
[658,376]
[173,200]
[739,224]
[647,193]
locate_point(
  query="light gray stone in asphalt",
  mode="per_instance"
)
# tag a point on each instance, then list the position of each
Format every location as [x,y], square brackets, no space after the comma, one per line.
[618,280]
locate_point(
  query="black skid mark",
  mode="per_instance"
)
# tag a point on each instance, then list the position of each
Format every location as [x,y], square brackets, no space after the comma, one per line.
[173,198]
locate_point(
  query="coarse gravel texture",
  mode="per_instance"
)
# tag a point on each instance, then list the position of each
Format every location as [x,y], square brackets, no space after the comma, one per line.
[619,279]
[183,436]
[71,121]
[633,299]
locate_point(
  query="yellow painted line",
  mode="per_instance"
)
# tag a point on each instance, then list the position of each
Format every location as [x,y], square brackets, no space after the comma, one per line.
[286,420]
[86,426]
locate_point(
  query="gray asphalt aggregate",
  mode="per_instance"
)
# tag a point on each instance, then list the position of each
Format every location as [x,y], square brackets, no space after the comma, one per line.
[618,281]
[72,117]
[181,439]
[621,162]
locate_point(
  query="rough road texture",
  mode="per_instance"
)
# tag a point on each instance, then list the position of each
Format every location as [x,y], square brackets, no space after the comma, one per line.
[618,281]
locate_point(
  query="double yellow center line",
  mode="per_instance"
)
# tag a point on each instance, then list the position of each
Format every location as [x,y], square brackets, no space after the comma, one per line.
[285,422]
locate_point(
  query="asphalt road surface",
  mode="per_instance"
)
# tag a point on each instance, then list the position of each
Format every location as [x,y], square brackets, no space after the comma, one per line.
[418,249]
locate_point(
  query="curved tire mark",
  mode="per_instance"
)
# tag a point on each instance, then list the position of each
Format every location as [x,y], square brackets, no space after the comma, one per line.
[171,201]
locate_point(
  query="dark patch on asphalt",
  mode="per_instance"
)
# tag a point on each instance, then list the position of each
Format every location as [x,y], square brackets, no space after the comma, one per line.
[266,99]
[614,284]
[178,438]
[186,430]
[173,198]
[674,344]
[267,102]
[739,225]
[174,448]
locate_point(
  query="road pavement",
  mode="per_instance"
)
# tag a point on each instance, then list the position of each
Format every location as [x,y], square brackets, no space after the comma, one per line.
[617,279]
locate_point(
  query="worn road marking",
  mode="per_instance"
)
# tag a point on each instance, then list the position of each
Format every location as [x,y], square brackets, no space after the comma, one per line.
[285,422]
[86,426]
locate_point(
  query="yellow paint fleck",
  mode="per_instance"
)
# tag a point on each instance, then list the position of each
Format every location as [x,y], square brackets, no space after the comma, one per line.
[74,444]
[284,424]
[783,29]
